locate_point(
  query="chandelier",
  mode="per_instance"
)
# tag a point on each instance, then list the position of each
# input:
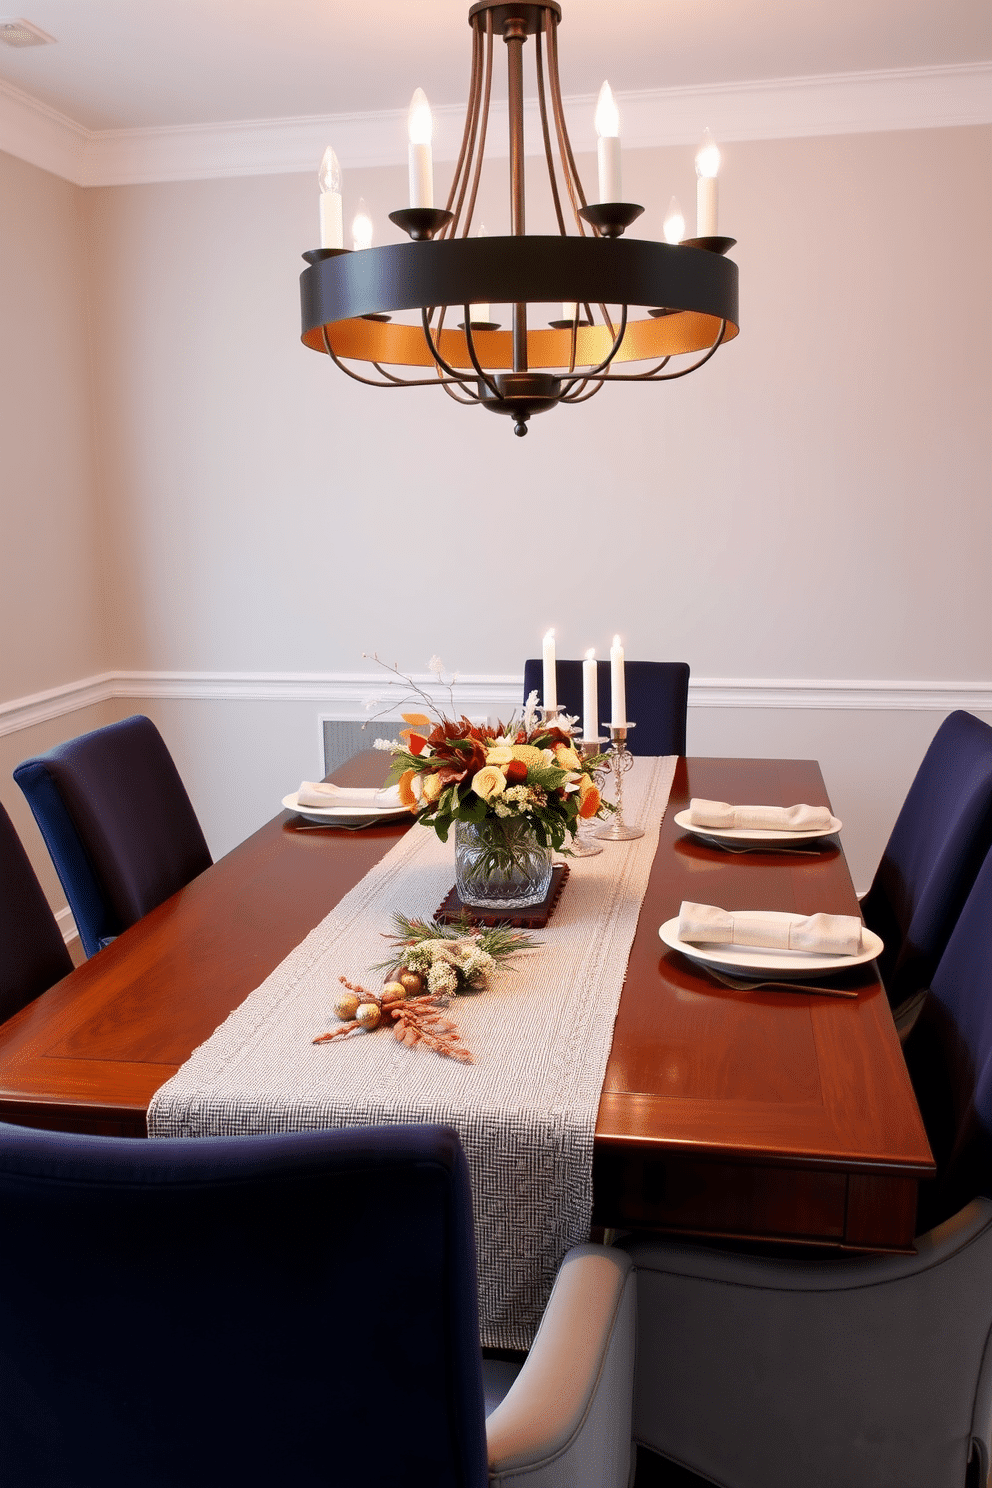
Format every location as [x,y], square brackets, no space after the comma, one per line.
[624,302]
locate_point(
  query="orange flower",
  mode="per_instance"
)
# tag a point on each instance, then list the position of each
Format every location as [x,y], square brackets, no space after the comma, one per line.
[590,800]
[405,783]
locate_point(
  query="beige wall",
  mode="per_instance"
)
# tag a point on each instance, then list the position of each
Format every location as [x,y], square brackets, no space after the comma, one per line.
[51,576]
[814,504]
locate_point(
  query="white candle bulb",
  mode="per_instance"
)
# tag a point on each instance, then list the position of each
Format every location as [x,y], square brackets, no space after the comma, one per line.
[608,146]
[618,713]
[331,226]
[590,697]
[480,312]
[361,228]
[674,222]
[707,166]
[420,129]
[550,679]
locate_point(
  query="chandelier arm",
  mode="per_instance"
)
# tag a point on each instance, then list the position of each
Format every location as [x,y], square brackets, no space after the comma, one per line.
[456,397]
[542,102]
[371,382]
[470,341]
[486,91]
[468,135]
[644,376]
[574,342]
[436,354]
[572,178]
[459,183]
[582,397]
[596,371]
[670,376]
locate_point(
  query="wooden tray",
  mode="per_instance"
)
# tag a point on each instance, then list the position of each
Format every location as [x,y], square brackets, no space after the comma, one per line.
[534,917]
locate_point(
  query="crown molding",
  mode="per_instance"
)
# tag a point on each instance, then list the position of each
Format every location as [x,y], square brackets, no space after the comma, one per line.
[779,108]
[356,696]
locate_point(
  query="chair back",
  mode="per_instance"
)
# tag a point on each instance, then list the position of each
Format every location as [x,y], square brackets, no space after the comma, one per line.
[949,1056]
[118,823]
[939,842]
[239,1310]
[32,951]
[657,699]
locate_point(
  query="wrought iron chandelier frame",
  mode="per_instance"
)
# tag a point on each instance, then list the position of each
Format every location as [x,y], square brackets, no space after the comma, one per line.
[688,289]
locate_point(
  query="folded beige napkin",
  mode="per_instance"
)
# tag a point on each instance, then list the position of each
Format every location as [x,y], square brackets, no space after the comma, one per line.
[825,934]
[719,816]
[322,793]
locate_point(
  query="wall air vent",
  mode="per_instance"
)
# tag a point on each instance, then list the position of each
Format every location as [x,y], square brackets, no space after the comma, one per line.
[21,33]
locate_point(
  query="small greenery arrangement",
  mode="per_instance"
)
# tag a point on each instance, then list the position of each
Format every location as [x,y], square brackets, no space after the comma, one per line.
[453,958]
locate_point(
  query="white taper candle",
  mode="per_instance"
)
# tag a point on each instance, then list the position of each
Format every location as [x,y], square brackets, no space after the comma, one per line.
[420,127]
[707,165]
[618,686]
[331,223]
[550,681]
[590,697]
[608,146]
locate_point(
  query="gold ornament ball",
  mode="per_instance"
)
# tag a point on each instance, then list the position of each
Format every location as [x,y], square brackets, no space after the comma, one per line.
[393,992]
[412,981]
[368,1015]
[346,1006]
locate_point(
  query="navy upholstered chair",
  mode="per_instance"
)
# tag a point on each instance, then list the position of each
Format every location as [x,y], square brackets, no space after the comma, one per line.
[939,841]
[285,1309]
[118,823]
[32,951]
[949,1055]
[657,699]
[871,1373]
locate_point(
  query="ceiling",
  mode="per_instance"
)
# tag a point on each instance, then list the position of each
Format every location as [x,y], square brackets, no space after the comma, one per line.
[127,64]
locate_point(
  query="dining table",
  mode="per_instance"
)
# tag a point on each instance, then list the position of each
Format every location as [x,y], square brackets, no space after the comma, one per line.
[757,1115]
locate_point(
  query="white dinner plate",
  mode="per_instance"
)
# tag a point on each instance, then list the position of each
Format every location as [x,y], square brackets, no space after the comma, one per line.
[346,815]
[786,965]
[754,834]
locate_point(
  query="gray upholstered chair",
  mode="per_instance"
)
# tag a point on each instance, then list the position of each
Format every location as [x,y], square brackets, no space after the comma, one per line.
[870,1373]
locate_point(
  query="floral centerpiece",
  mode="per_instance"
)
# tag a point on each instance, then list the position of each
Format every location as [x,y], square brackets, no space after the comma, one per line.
[515,793]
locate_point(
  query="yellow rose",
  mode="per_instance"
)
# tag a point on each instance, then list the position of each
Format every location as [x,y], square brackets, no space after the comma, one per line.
[566,757]
[488,782]
[431,788]
[528,753]
[501,754]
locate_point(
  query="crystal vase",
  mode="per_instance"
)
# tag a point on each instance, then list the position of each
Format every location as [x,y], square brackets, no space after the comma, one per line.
[499,864]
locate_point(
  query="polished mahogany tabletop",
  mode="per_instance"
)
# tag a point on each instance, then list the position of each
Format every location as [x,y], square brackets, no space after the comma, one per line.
[763,1114]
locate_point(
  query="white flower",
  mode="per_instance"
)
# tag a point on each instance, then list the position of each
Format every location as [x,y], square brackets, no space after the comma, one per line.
[435,665]
[393,745]
[441,979]
[529,716]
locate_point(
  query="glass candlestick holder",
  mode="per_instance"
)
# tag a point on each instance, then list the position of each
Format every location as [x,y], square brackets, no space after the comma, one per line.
[584,844]
[619,761]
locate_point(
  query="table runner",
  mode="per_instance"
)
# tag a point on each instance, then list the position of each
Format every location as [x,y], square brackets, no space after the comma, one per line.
[541,1036]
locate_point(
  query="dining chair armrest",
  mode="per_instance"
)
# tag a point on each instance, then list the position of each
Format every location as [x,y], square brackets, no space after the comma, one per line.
[566,1420]
[764,1373]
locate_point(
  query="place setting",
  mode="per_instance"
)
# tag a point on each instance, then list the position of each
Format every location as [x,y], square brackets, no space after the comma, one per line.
[321,804]
[799,830]
[775,949]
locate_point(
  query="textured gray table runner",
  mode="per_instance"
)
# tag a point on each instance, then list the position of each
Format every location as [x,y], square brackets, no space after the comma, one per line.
[541,1035]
